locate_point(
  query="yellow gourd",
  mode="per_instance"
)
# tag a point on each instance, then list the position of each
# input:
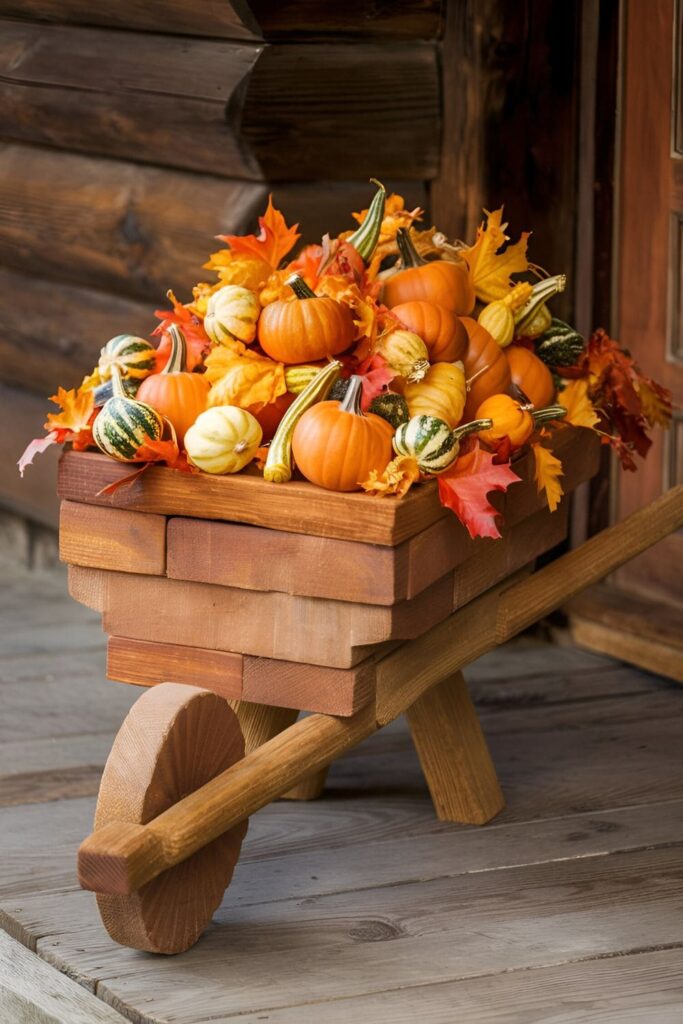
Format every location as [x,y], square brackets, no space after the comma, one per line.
[498,317]
[223,439]
[405,352]
[231,315]
[442,393]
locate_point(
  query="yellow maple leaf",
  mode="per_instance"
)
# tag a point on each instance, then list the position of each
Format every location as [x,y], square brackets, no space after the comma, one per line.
[239,268]
[243,378]
[547,474]
[398,477]
[490,269]
[76,409]
[580,410]
[655,403]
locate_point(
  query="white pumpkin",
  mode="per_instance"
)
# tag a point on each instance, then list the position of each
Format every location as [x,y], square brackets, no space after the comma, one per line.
[223,439]
[231,315]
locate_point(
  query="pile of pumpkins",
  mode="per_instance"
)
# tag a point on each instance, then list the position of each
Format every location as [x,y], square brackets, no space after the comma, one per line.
[454,375]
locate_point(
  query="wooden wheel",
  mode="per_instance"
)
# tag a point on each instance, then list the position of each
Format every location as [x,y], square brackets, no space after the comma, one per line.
[174,739]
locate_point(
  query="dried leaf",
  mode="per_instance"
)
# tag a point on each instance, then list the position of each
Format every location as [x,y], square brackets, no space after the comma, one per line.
[273,242]
[397,478]
[655,403]
[376,376]
[490,268]
[239,268]
[36,447]
[580,410]
[197,340]
[242,377]
[464,488]
[547,474]
[77,406]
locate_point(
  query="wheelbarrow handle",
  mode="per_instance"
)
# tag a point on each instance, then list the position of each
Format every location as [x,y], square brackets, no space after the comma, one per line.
[121,857]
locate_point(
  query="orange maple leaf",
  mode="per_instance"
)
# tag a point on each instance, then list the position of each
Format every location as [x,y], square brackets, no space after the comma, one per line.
[490,265]
[398,477]
[547,473]
[580,410]
[76,409]
[273,243]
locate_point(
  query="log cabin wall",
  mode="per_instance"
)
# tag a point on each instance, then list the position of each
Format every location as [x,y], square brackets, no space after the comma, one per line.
[132,133]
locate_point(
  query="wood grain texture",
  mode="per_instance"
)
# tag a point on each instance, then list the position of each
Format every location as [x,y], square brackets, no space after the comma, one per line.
[174,739]
[453,754]
[144,663]
[110,538]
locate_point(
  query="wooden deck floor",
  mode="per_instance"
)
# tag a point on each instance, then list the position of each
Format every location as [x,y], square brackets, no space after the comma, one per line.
[361,906]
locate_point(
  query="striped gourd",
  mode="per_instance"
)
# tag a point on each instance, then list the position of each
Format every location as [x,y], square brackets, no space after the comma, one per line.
[534,316]
[278,467]
[299,377]
[123,424]
[560,345]
[365,238]
[431,442]
[134,357]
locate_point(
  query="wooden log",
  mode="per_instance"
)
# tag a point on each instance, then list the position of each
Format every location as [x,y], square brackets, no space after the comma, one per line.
[138,230]
[54,334]
[111,538]
[210,106]
[453,754]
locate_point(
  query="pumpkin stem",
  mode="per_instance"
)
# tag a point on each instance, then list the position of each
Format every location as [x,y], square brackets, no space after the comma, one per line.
[410,257]
[177,359]
[300,288]
[351,400]
[365,238]
[551,412]
[472,428]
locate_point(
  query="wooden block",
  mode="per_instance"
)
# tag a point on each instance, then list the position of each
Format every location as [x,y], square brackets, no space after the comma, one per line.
[453,753]
[111,538]
[282,684]
[146,664]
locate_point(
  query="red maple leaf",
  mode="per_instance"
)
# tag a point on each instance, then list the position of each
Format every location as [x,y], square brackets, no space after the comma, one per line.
[464,488]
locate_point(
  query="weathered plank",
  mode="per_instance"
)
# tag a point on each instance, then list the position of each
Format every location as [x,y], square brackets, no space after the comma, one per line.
[112,538]
[33,993]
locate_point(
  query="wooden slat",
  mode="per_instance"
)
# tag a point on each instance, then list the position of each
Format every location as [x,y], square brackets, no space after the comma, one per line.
[138,230]
[111,538]
[223,105]
[54,334]
[234,676]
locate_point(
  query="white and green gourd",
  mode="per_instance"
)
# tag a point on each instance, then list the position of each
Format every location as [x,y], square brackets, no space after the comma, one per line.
[134,357]
[278,467]
[534,317]
[124,424]
[432,443]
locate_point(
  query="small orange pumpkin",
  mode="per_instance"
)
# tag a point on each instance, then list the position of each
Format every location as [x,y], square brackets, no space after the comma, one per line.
[336,446]
[440,281]
[531,375]
[511,420]
[440,329]
[485,367]
[310,328]
[176,394]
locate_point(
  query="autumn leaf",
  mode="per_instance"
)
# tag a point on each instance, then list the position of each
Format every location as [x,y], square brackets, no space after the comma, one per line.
[36,447]
[244,379]
[307,264]
[398,477]
[197,340]
[547,474]
[464,488]
[580,410]
[490,265]
[273,242]
[239,268]
[77,406]
[655,402]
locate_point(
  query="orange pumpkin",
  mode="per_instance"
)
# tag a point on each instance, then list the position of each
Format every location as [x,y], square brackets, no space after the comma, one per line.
[176,394]
[485,366]
[269,415]
[511,420]
[530,375]
[440,281]
[439,328]
[336,446]
[307,329]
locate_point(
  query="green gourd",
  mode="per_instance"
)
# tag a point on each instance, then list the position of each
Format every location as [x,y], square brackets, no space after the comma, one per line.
[123,424]
[278,467]
[560,345]
[432,443]
[392,408]
[133,356]
[364,239]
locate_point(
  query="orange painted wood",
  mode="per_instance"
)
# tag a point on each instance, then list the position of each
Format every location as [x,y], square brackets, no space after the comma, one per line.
[145,663]
[111,538]
[282,684]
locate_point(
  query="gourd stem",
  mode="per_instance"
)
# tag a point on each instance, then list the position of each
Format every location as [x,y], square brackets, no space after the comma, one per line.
[177,359]
[351,400]
[410,257]
[364,239]
[540,293]
[551,412]
[300,288]
[472,428]
[117,382]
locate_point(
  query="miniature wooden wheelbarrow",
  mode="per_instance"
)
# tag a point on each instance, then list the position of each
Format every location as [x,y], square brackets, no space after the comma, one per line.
[354,609]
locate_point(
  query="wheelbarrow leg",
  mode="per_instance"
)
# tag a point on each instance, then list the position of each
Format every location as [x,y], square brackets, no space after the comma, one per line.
[454,755]
[259,723]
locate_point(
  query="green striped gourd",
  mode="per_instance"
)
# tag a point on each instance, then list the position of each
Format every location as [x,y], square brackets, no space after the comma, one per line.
[278,467]
[392,408]
[365,238]
[299,377]
[432,443]
[534,316]
[134,357]
[560,345]
[123,424]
